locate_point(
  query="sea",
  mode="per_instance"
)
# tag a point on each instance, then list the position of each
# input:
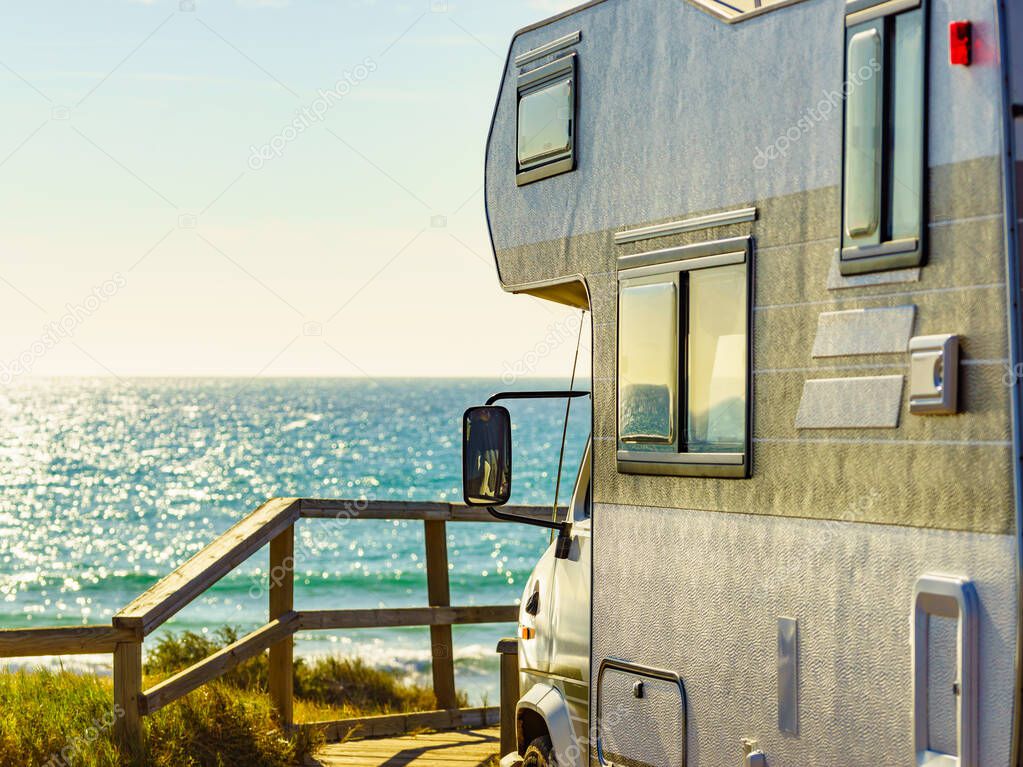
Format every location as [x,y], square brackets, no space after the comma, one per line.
[107,485]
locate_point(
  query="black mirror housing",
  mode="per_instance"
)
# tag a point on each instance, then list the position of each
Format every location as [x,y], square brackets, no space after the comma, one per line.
[486,456]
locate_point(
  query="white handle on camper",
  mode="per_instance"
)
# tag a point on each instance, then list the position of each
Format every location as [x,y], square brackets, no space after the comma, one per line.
[946,597]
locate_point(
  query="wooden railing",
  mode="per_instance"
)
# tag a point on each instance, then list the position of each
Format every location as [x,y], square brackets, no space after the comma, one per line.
[508,649]
[273,523]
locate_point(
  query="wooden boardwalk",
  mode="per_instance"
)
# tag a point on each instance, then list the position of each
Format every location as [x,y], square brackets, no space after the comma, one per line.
[464,748]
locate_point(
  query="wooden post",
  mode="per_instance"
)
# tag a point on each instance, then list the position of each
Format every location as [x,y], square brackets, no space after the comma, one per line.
[509,650]
[439,589]
[281,680]
[127,694]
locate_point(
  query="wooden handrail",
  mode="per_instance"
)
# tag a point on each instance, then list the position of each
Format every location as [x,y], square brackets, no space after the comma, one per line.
[281,655]
[149,611]
[403,617]
[70,640]
[218,664]
[417,511]
[438,591]
[273,523]
[263,638]
[508,649]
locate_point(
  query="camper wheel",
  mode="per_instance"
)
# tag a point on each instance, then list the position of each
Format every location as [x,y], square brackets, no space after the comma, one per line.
[539,754]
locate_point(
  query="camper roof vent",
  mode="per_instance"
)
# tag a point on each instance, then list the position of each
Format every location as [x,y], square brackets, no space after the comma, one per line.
[738,10]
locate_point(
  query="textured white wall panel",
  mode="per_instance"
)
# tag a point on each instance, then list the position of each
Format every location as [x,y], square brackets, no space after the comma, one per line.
[700,593]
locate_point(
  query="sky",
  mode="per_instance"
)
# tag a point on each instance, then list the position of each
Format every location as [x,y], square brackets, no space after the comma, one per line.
[257,188]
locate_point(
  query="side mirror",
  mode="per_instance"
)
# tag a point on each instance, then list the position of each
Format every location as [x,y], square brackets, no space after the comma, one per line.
[486,456]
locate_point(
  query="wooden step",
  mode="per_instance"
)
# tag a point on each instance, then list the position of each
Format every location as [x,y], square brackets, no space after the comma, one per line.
[461,748]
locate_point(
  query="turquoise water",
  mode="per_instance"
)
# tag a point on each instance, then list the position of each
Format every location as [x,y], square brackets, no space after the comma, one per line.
[106,486]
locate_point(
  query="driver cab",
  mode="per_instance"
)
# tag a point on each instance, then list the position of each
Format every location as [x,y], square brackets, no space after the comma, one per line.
[552,716]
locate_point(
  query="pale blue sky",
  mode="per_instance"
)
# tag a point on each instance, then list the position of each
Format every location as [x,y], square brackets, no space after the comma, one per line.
[126,158]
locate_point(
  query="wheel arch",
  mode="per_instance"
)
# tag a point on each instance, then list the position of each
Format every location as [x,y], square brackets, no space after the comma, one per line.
[543,712]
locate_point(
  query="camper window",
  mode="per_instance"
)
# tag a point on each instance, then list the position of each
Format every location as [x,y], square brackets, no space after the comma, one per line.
[883,168]
[716,360]
[546,121]
[683,361]
[648,349]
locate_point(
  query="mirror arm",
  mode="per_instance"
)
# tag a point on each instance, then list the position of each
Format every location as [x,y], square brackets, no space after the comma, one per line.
[563,528]
[536,395]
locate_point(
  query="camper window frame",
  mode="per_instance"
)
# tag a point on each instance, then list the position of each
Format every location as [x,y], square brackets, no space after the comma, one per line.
[562,69]
[679,462]
[890,251]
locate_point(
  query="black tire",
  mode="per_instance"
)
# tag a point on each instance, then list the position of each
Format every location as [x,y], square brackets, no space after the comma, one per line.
[539,754]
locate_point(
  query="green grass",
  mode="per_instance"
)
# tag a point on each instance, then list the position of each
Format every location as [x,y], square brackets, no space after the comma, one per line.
[221,726]
[43,713]
[62,719]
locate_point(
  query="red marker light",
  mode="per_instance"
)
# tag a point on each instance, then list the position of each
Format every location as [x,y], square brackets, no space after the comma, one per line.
[960,38]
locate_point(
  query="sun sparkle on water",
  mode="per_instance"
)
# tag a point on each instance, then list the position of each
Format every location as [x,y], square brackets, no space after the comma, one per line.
[106,486]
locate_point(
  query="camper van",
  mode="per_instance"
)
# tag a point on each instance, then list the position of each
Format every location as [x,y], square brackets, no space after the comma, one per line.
[793,225]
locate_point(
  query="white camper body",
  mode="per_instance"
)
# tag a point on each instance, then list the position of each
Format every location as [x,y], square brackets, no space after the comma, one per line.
[794,224]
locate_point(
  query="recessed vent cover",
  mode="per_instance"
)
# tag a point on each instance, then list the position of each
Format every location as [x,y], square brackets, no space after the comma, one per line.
[737,10]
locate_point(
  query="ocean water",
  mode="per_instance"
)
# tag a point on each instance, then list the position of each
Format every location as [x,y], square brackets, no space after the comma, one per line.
[107,485]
